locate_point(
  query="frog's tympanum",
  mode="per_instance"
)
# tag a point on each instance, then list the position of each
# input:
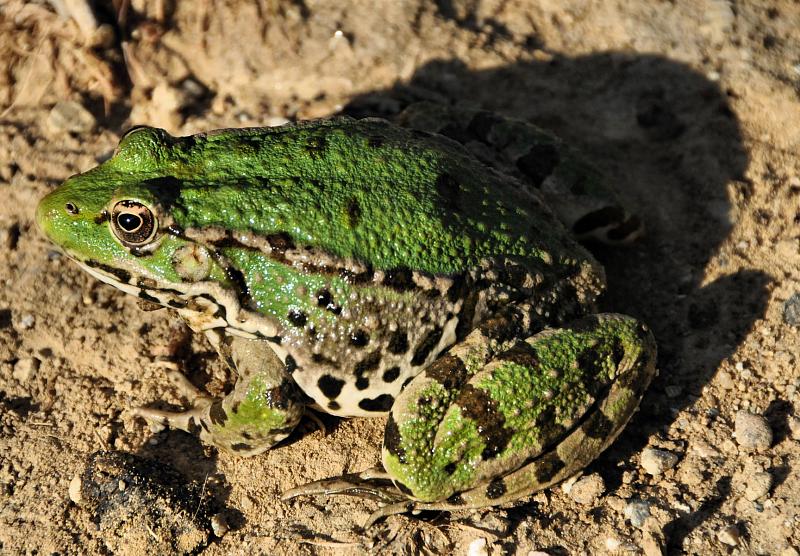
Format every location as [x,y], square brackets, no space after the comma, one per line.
[363,269]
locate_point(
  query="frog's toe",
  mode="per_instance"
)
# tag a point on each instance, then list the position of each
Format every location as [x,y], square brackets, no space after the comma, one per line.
[188,420]
[185,387]
[373,483]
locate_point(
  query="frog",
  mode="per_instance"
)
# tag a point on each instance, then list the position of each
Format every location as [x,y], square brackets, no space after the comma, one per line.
[431,270]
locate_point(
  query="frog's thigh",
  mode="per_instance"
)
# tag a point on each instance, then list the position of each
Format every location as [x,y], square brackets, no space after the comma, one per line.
[531,417]
[263,408]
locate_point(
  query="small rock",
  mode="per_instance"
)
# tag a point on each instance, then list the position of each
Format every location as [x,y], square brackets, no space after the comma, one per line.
[705,450]
[70,116]
[758,485]
[219,525]
[26,321]
[673,391]
[25,368]
[614,544]
[794,427]
[729,535]
[791,310]
[653,543]
[752,431]
[478,548]
[493,523]
[588,489]
[655,461]
[725,380]
[637,511]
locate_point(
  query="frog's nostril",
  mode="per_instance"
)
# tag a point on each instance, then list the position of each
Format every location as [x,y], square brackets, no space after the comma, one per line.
[72,208]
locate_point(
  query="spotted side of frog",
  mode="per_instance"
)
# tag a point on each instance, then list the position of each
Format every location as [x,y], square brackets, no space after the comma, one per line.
[427,270]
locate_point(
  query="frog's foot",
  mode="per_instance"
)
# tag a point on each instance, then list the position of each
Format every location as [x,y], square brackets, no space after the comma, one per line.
[263,408]
[474,431]
[374,483]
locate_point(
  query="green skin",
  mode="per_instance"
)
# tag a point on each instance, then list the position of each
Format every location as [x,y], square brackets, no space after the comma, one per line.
[373,269]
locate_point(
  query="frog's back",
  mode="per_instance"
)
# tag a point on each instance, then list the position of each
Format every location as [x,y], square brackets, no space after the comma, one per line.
[364,190]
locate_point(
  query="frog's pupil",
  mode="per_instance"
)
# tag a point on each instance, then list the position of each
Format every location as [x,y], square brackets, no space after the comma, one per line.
[71,208]
[129,222]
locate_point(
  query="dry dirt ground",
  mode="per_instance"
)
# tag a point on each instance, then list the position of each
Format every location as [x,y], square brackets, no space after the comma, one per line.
[691,106]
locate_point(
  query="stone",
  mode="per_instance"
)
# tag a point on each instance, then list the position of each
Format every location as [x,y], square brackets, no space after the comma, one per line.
[655,461]
[25,368]
[637,511]
[752,431]
[758,485]
[791,310]
[588,489]
[70,116]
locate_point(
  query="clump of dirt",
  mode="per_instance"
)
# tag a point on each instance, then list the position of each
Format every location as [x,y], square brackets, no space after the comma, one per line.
[690,107]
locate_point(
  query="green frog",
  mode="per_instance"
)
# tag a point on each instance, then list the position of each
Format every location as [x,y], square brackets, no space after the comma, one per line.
[429,271]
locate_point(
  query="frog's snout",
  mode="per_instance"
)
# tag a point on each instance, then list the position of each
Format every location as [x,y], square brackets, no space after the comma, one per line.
[54,209]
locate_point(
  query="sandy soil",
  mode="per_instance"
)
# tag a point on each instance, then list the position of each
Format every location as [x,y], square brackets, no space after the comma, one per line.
[690,106]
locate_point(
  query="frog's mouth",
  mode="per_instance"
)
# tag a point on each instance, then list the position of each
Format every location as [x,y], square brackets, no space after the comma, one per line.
[204,305]
[143,288]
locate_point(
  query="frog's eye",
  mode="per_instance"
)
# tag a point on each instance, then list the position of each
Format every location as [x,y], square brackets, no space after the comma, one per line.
[132,222]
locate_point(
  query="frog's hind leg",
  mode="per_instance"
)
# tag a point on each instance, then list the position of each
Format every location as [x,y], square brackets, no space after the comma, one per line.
[468,433]
[263,408]
[577,192]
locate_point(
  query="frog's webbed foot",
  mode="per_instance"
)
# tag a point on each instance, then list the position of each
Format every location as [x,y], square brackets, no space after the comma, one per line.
[188,420]
[262,409]
[373,483]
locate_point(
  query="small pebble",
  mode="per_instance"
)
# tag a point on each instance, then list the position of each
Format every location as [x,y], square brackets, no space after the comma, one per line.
[219,525]
[493,523]
[673,391]
[655,461]
[758,485]
[70,116]
[588,489]
[653,543]
[705,450]
[794,427]
[637,511]
[26,321]
[478,548]
[791,310]
[752,431]
[25,368]
[614,544]
[725,380]
[729,535]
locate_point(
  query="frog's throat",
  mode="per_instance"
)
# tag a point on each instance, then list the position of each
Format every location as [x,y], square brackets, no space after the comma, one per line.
[205,305]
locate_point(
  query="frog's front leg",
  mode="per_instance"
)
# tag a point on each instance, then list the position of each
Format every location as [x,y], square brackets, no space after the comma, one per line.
[263,408]
[468,433]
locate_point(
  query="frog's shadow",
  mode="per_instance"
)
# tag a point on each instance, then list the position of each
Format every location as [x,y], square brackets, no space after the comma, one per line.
[669,141]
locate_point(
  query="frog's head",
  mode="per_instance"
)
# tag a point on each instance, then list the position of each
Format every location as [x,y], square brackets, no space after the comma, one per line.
[114,221]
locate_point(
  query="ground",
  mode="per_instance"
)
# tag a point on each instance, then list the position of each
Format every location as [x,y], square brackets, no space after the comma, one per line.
[691,107]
